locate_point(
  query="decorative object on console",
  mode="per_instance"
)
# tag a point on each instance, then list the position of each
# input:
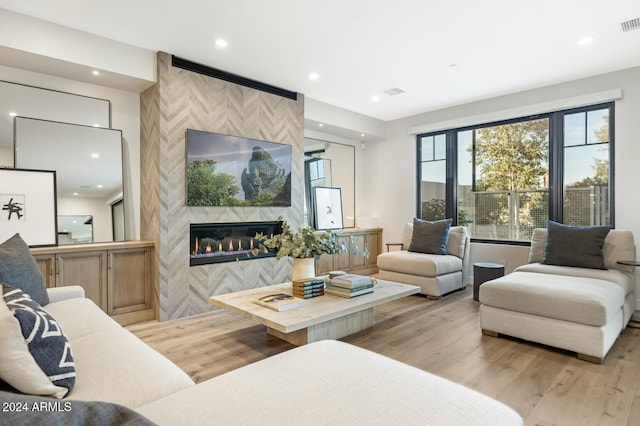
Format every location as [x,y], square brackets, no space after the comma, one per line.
[35,357]
[28,205]
[328,207]
[217,164]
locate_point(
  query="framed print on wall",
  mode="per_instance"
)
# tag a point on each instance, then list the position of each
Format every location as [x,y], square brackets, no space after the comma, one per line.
[328,207]
[28,206]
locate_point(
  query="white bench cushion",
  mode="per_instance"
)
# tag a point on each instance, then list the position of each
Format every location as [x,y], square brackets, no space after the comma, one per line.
[425,265]
[581,300]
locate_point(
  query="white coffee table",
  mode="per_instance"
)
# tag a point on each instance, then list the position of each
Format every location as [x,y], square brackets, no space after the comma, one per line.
[323,317]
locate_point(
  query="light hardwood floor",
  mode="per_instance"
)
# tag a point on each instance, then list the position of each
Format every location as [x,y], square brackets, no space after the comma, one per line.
[546,386]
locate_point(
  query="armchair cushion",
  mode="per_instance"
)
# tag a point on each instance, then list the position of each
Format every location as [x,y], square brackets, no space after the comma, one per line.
[430,237]
[579,246]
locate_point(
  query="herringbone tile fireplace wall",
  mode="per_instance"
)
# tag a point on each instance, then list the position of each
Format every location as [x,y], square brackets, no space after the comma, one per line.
[179,100]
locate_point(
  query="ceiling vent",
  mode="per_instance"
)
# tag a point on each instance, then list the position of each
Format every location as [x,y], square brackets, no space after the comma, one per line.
[394,91]
[630,25]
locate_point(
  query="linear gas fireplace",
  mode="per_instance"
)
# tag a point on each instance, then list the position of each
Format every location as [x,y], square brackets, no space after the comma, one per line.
[228,242]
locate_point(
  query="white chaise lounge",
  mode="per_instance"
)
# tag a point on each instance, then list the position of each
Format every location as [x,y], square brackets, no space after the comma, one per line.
[579,309]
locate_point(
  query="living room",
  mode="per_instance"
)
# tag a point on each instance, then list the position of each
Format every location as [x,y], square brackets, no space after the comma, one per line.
[385,172]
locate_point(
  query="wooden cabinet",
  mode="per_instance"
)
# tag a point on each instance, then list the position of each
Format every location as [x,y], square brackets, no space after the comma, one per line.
[357,240]
[86,269]
[116,276]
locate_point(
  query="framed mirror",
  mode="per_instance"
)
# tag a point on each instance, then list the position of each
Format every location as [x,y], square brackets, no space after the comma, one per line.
[88,162]
[330,164]
[35,102]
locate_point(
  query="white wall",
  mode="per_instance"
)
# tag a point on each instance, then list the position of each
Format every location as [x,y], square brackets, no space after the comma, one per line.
[391,163]
[125,115]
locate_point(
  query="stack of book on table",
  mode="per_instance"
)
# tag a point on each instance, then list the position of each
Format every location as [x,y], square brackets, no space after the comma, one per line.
[308,287]
[349,285]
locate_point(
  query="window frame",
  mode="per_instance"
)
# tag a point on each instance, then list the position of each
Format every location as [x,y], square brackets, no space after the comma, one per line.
[555,164]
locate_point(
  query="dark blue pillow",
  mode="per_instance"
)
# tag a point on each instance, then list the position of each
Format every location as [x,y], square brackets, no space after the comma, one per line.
[19,269]
[579,246]
[430,237]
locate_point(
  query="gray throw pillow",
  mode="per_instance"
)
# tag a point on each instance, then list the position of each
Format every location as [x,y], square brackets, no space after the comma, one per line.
[579,246]
[430,237]
[19,269]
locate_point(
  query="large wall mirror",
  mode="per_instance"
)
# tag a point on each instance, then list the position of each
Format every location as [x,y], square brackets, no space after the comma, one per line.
[51,130]
[330,164]
[88,161]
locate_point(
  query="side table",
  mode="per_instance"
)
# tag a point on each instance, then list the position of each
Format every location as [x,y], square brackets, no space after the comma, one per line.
[483,272]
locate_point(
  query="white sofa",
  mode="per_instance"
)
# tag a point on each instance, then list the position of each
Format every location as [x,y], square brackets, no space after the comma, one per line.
[327,382]
[574,308]
[435,274]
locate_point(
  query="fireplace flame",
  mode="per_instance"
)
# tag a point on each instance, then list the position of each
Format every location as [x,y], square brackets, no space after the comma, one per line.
[230,245]
[196,250]
[251,244]
[219,246]
[239,245]
[208,249]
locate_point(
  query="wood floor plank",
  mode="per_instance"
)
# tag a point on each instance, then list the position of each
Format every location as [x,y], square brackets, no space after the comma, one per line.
[546,386]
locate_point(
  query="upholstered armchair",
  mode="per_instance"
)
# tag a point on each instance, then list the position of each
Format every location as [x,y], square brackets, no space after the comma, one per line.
[438,266]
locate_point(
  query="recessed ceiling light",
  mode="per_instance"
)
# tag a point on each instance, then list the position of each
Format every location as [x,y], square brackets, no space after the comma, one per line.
[100,186]
[96,125]
[95,72]
[75,193]
[13,114]
[584,40]
[221,43]
[375,98]
[320,124]
[313,76]
[94,155]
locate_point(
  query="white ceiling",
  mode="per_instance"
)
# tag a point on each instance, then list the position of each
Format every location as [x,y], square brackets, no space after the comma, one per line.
[361,48]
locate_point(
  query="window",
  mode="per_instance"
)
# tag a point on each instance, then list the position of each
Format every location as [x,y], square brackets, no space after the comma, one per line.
[432,151]
[504,179]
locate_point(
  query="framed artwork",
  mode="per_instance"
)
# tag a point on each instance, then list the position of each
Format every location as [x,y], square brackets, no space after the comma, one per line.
[225,170]
[328,207]
[28,206]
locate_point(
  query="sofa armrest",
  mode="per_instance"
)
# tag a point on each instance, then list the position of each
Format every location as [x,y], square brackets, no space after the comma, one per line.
[57,294]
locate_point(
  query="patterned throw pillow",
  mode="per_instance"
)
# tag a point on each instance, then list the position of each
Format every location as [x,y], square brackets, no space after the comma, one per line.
[35,355]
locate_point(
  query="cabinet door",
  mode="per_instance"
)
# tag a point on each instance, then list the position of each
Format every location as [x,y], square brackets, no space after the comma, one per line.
[47,266]
[324,264]
[129,280]
[341,261]
[374,242]
[357,245]
[86,269]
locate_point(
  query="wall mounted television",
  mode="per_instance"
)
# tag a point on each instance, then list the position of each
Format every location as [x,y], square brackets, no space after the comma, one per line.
[225,170]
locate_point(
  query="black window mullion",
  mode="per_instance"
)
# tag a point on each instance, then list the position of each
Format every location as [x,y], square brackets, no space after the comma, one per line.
[451,187]
[556,163]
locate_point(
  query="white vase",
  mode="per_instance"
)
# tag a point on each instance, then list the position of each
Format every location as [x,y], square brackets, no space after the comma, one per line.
[303,268]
